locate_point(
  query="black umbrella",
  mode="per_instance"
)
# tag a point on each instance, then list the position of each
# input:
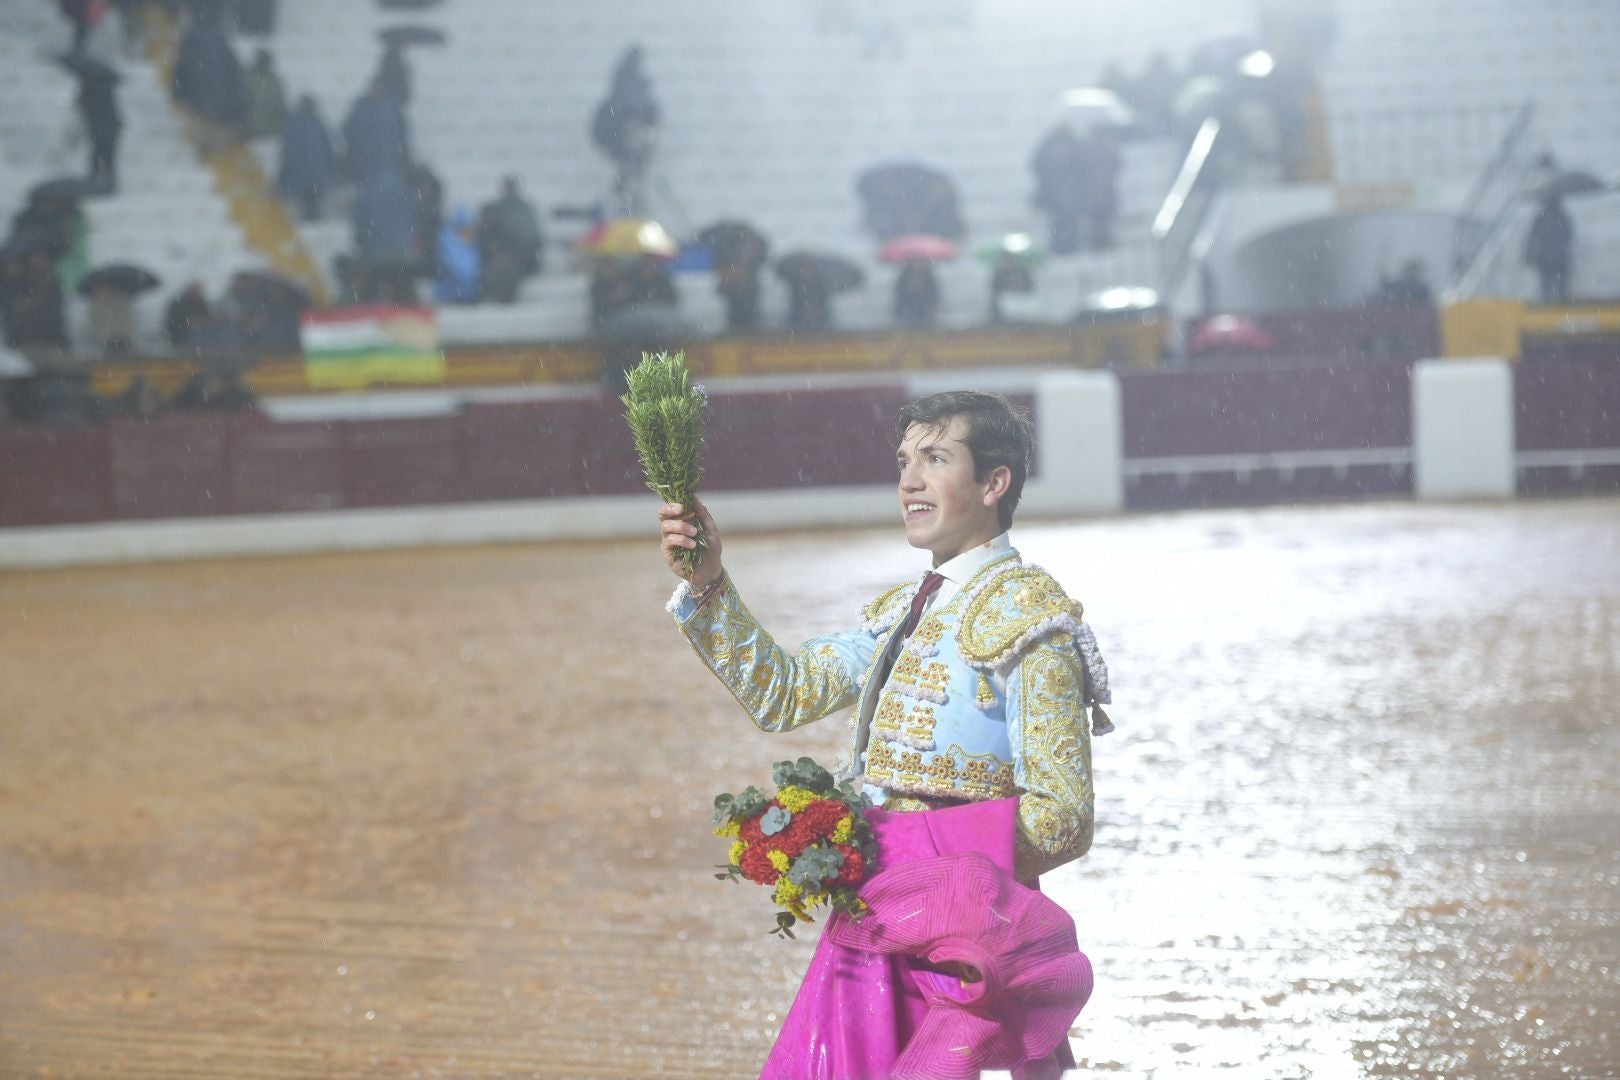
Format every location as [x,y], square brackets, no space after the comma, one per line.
[63,189]
[833,272]
[88,68]
[1570,182]
[119,277]
[270,288]
[905,197]
[735,243]
[412,35]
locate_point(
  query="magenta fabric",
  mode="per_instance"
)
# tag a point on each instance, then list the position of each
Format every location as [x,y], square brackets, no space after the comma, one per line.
[857,1010]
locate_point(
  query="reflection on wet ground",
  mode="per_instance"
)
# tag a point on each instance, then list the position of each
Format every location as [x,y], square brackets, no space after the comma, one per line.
[443,813]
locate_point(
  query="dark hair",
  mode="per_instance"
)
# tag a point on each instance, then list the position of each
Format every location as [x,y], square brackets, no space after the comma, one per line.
[998,434]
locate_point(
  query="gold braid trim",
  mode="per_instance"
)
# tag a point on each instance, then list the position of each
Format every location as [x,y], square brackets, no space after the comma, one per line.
[883,612]
[1022,605]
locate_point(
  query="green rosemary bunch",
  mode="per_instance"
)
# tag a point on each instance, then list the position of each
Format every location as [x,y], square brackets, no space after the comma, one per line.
[665,413]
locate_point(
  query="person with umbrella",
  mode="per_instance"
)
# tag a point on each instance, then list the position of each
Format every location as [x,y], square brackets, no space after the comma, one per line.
[916,288]
[1550,247]
[970,686]
[811,279]
[112,291]
[739,252]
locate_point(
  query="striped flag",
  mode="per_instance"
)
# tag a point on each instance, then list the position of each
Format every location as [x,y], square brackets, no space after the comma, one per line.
[353,347]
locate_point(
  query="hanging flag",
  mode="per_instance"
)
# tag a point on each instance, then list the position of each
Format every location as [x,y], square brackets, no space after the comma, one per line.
[350,348]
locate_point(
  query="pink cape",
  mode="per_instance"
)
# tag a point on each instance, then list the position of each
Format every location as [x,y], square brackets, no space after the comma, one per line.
[869,1008]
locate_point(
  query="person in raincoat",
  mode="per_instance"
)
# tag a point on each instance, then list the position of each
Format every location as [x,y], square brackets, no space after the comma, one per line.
[376,135]
[509,241]
[266,98]
[307,161]
[457,281]
[1549,248]
[208,77]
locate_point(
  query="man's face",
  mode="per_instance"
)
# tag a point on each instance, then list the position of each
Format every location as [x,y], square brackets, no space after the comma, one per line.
[945,509]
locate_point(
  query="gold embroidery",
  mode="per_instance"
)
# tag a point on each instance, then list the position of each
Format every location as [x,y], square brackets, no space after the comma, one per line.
[918,728]
[985,695]
[936,676]
[930,631]
[948,773]
[1053,751]
[876,609]
[886,720]
[907,668]
[780,692]
[1019,600]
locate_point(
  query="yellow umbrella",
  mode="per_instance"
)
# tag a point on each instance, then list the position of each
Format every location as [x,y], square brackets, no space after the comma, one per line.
[630,236]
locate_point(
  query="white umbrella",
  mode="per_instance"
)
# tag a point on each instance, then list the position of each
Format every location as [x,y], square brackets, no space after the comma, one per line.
[1087,107]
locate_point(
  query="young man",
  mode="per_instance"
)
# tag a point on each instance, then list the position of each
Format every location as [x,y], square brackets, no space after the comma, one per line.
[970,686]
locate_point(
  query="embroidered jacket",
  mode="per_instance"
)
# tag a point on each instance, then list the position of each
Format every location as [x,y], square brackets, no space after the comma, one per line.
[986,699]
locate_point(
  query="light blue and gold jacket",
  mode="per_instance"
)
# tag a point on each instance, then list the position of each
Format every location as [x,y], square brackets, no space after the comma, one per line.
[987,699]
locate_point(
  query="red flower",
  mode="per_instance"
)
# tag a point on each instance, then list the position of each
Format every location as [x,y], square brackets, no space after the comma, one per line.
[854,866]
[749,832]
[756,865]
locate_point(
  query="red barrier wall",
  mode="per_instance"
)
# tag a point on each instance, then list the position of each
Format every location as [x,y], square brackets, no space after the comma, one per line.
[1568,405]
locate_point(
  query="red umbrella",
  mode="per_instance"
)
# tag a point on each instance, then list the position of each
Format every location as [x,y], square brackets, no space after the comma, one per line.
[917,246]
[1229,334]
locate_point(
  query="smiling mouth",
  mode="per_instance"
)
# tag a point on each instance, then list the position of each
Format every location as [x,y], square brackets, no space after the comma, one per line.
[914,509]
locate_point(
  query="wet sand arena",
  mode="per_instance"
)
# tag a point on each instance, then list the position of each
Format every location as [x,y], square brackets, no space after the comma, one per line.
[443,813]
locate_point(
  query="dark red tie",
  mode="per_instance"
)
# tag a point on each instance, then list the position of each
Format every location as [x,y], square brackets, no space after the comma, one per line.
[929,587]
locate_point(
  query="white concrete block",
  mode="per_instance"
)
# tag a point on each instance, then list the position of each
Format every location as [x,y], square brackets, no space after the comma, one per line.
[1462,429]
[1079,445]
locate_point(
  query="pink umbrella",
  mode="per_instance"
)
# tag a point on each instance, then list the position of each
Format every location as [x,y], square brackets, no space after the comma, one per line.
[917,246]
[965,910]
[1230,334]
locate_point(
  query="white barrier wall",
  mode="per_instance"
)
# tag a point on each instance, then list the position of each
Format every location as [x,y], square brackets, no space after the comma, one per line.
[1080,449]
[1462,429]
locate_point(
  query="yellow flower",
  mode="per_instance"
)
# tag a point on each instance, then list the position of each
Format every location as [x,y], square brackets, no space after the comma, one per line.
[787,894]
[737,848]
[795,799]
[779,860]
[844,829]
[730,828]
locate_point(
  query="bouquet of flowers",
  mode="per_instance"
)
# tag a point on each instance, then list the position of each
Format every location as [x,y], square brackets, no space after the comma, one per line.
[665,413]
[810,842]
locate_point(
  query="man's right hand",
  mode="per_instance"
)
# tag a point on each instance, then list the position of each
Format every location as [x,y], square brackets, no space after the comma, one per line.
[677,534]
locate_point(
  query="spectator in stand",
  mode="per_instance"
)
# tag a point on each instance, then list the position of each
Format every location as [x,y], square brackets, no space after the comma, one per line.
[208,78]
[376,135]
[385,238]
[457,280]
[509,242]
[1077,178]
[625,128]
[1154,97]
[1409,288]
[1550,248]
[78,12]
[394,75]
[103,123]
[916,294]
[255,17]
[306,159]
[31,305]
[266,98]
[428,191]
[185,315]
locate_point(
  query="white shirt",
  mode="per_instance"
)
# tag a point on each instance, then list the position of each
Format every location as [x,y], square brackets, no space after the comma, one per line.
[959,571]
